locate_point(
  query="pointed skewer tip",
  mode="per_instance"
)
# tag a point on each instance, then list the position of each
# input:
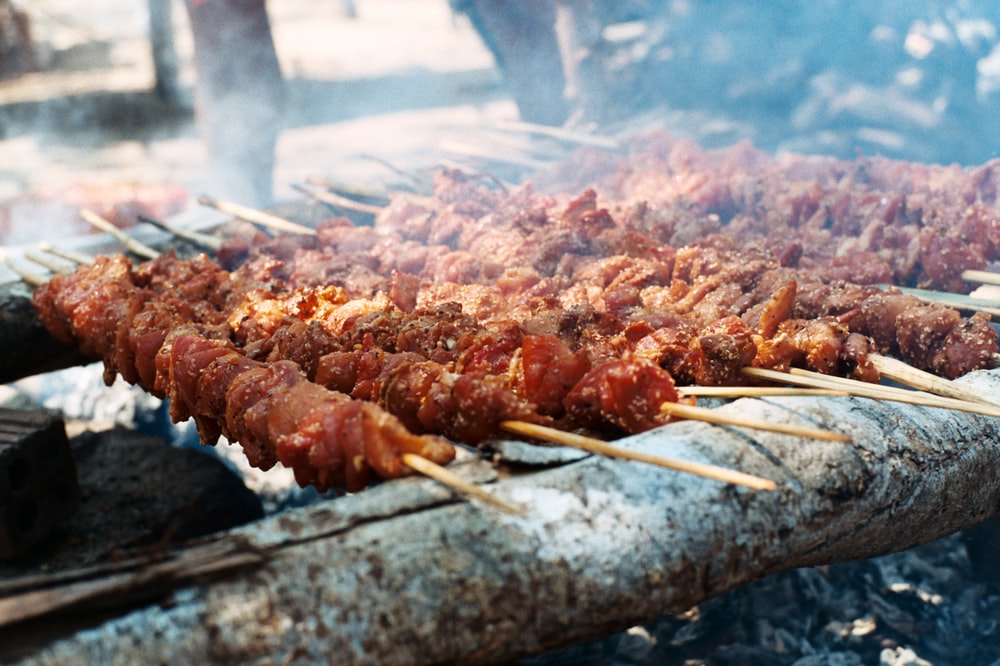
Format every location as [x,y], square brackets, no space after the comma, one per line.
[462,486]
[600,447]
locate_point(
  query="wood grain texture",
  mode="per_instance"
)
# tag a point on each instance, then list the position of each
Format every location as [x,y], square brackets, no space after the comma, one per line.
[406,573]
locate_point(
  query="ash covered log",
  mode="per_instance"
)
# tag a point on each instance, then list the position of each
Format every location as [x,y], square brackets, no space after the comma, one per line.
[400,574]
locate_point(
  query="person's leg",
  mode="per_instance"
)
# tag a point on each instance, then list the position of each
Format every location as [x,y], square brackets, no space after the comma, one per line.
[239,93]
[521,35]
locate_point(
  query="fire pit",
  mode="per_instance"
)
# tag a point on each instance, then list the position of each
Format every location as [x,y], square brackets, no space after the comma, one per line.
[607,544]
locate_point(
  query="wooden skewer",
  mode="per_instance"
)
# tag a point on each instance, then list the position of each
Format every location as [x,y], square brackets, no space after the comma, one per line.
[338,201]
[202,240]
[32,278]
[903,395]
[350,191]
[503,185]
[416,182]
[904,373]
[985,277]
[255,216]
[603,448]
[957,301]
[470,150]
[47,259]
[457,483]
[866,390]
[130,243]
[755,391]
[561,133]
[520,144]
[713,416]
[67,254]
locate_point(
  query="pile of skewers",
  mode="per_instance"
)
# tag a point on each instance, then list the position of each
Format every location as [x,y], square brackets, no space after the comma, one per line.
[274,443]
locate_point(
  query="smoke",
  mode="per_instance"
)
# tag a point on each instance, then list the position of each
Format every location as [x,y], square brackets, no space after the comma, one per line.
[915,80]
[911,80]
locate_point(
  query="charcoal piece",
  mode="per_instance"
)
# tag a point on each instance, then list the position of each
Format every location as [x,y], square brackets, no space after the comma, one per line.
[38,482]
[982,542]
[139,491]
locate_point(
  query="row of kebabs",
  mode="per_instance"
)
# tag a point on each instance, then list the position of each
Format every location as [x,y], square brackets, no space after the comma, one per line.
[869,220]
[337,353]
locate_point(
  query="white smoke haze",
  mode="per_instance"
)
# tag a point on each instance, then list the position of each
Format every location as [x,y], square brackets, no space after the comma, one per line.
[399,77]
[89,114]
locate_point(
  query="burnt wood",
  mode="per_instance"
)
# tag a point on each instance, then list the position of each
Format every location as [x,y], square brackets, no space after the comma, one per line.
[407,573]
[26,348]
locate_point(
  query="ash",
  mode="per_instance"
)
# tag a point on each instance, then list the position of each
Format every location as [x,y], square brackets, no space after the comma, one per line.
[80,396]
[923,606]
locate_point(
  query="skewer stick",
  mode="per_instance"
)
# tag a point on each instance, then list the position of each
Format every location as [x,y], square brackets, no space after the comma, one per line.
[416,182]
[352,191]
[67,254]
[904,373]
[470,150]
[904,395]
[131,244]
[255,216]
[48,260]
[33,279]
[457,483]
[712,416]
[754,391]
[203,240]
[984,277]
[603,448]
[561,133]
[957,301]
[873,391]
[519,144]
[475,173]
[338,201]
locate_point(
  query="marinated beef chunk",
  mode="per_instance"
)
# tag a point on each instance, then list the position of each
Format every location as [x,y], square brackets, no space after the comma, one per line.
[337,352]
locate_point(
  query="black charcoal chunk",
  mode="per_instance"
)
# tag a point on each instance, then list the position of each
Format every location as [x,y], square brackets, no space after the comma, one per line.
[38,483]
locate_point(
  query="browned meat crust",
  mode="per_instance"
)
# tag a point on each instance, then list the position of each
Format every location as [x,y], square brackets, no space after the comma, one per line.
[476,305]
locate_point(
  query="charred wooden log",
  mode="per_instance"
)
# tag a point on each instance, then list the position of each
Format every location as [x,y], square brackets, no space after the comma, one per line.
[27,347]
[404,573]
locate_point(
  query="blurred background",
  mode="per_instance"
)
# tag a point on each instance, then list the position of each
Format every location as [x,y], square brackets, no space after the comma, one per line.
[88,115]
[81,120]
